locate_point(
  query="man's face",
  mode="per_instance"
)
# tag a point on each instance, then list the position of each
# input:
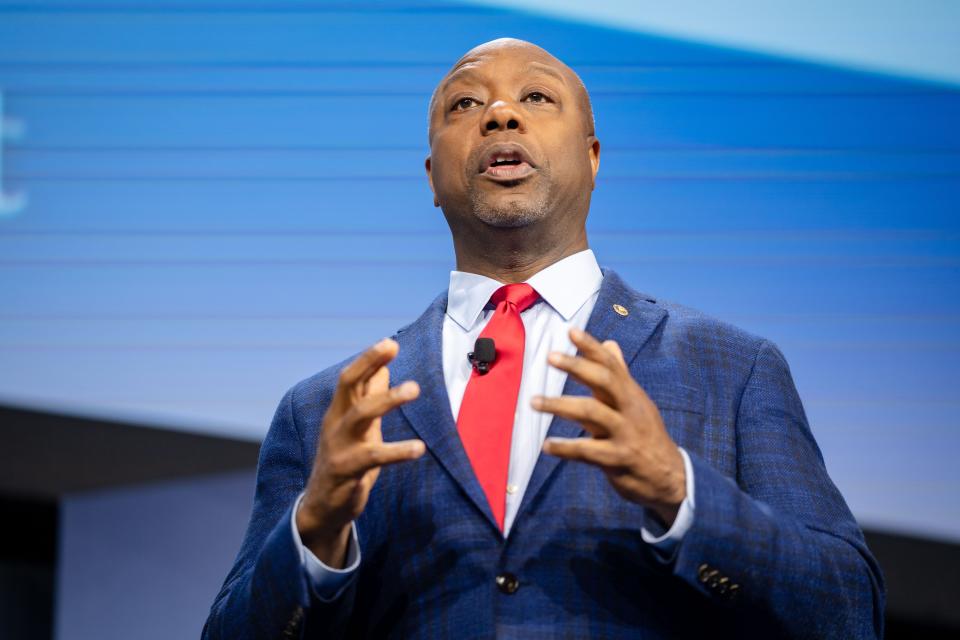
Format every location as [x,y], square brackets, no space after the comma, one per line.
[511,140]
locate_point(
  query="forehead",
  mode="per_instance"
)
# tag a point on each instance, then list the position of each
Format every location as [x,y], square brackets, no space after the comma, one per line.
[521,61]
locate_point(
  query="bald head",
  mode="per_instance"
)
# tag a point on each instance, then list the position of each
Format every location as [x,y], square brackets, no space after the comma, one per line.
[524,53]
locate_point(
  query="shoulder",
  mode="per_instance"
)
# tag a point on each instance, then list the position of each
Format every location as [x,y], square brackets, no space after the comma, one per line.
[716,359]
[691,325]
[317,389]
[703,350]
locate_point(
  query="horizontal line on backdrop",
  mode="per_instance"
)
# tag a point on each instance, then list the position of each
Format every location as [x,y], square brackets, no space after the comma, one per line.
[806,317]
[848,261]
[880,401]
[854,233]
[183,347]
[250,8]
[681,149]
[108,263]
[439,65]
[241,346]
[219,317]
[877,345]
[840,317]
[420,95]
[772,176]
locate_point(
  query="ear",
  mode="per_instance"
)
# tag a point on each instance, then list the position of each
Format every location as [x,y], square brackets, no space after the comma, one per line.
[594,153]
[427,166]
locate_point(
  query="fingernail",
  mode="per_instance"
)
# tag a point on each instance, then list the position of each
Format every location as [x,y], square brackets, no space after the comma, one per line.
[576,334]
[417,448]
[408,389]
[536,402]
[554,357]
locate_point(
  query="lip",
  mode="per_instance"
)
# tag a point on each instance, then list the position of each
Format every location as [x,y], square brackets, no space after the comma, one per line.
[506,172]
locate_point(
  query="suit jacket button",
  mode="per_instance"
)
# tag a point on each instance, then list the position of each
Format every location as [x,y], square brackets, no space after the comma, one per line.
[507,583]
[706,573]
[702,572]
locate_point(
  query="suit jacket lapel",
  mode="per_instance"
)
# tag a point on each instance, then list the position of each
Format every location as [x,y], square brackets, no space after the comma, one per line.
[420,358]
[630,331]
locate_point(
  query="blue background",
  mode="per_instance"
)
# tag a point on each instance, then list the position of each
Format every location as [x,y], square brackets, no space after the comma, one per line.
[223,198]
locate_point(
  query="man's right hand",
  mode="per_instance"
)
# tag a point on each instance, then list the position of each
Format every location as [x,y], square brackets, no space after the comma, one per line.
[351,451]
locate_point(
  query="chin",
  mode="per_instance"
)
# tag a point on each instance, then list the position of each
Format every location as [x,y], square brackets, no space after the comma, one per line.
[510,213]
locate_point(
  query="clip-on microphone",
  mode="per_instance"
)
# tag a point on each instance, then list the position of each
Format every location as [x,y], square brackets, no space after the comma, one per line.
[483,354]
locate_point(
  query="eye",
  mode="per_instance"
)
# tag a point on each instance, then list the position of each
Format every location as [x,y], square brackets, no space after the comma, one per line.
[464,103]
[537,97]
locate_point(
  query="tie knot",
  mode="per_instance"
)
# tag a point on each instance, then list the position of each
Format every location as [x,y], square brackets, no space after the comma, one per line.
[520,295]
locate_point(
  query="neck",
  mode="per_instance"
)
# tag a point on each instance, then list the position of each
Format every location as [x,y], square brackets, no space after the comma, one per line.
[515,255]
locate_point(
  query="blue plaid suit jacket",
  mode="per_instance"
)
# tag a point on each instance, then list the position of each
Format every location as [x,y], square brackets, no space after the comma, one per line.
[773,552]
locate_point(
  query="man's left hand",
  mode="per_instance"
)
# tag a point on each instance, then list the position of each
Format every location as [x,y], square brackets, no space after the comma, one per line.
[630,443]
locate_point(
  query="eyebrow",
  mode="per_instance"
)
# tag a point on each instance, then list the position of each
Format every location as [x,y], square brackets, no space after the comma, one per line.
[467,70]
[548,70]
[456,75]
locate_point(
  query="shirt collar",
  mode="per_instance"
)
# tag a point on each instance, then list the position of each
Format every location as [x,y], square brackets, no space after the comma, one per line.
[565,285]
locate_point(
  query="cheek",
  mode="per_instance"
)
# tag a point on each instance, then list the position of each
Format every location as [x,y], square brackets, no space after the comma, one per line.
[580,160]
[448,165]
[571,162]
[446,182]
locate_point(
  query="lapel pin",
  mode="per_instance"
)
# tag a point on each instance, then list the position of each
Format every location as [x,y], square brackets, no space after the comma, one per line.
[622,310]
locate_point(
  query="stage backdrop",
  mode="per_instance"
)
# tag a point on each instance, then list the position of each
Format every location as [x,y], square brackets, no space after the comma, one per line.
[205,202]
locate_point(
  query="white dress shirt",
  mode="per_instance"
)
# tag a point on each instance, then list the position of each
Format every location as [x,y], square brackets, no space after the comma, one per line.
[568,290]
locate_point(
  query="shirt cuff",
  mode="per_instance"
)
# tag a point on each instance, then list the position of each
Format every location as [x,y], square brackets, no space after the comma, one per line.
[665,545]
[327,583]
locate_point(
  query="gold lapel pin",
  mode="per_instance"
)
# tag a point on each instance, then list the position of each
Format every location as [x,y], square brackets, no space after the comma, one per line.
[622,310]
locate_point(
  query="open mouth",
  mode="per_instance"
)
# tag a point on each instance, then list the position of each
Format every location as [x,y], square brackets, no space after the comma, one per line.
[507,162]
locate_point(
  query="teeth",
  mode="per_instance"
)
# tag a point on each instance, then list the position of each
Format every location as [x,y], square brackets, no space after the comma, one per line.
[511,158]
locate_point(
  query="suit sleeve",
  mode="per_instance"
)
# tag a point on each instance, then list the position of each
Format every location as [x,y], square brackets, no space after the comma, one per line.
[267,593]
[777,547]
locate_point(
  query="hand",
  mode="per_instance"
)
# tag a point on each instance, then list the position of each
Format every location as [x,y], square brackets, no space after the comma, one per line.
[630,443]
[351,451]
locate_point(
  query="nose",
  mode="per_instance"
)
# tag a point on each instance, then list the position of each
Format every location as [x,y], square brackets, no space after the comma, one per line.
[502,116]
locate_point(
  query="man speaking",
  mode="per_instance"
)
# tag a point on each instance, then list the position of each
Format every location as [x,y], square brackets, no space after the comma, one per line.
[545,452]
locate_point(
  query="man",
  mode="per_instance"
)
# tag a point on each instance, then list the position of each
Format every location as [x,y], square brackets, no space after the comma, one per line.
[610,465]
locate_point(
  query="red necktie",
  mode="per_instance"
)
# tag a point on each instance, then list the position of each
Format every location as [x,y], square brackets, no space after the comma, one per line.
[485,422]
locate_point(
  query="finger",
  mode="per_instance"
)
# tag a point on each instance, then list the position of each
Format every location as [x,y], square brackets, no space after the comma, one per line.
[596,452]
[591,348]
[360,459]
[378,382]
[614,348]
[596,417]
[363,368]
[374,405]
[601,379]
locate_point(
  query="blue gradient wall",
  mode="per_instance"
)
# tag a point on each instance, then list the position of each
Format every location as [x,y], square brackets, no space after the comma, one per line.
[225,197]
